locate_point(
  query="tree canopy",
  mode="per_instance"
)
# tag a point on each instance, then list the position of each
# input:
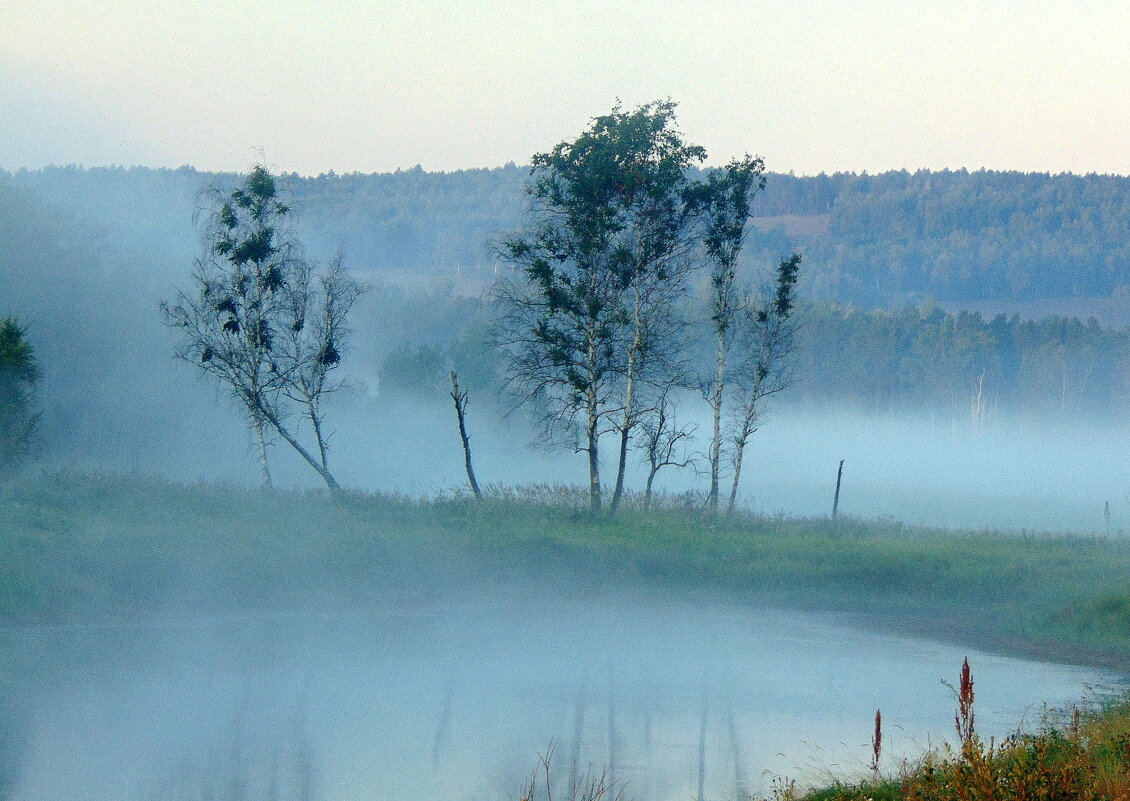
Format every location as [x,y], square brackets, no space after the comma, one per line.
[19,373]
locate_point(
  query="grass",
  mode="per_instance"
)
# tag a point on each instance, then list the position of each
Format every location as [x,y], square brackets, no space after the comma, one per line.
[1082,754]
[76,546]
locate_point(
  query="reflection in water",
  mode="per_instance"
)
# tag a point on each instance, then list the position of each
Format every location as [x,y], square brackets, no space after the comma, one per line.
[678,701]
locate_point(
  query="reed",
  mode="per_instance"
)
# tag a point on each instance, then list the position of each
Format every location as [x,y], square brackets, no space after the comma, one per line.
[1082,754]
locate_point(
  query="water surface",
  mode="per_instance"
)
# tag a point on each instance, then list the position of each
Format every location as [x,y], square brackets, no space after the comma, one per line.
[456,700]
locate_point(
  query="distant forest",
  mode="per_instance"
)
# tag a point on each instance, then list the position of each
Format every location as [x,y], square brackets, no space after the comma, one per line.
[903,275]
[917,359]
[874,241]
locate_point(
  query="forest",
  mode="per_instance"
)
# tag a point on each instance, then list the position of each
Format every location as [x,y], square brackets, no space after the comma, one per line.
[875,241]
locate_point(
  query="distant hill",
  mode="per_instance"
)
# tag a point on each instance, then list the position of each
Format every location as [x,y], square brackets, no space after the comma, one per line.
[1003,241]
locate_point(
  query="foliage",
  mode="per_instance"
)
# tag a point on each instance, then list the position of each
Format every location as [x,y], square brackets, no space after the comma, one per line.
[1078,753]
[928,359]
[19,373]
[725,199]
[764,367]
[881,240]
[589,316]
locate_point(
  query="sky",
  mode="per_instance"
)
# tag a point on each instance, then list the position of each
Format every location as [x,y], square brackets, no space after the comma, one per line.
[811,85]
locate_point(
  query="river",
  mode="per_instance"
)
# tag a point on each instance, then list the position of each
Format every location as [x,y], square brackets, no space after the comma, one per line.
[456,700]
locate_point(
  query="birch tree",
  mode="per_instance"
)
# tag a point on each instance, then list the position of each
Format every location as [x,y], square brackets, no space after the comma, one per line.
[586,315]
[261,322]
[764,365]
[725,206]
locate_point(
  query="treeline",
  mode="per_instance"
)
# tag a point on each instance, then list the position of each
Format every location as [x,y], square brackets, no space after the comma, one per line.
[874,241]
[925,359]
[915,359]
[960,236]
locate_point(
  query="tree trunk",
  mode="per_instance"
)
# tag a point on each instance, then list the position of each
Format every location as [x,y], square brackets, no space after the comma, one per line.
[716,438]
[625,435]
[739,452]
[745,430]
[331,482]
[629,410]
[460,399]
[592,427]
[594,461]
[647,490]
[261,441]
[618,493]
[316,422]
[836,500]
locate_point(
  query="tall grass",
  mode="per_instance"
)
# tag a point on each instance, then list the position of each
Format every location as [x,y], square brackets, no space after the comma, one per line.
[1081,755]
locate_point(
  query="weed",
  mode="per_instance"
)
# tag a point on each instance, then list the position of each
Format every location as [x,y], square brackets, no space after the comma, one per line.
[587,786]
[1087,760]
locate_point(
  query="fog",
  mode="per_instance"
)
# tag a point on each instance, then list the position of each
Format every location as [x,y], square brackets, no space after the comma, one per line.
[454,694]
[85,272]
[456,698]
[87,283]
[1015,474]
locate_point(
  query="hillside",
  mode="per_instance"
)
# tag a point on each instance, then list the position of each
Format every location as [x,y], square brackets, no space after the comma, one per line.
[997,241]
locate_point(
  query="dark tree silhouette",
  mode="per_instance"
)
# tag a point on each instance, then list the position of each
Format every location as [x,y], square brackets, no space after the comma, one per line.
[19,373]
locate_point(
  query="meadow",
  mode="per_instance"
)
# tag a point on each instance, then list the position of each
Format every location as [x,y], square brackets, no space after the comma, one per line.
[80,547]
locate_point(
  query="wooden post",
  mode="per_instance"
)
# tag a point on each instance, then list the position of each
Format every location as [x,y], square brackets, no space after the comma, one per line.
[460,399]
[836,502]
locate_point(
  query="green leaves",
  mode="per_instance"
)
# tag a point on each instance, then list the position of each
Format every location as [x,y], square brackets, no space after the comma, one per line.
[19,372]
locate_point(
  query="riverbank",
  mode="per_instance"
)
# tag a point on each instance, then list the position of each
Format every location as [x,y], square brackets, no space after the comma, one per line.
[1077,753]
[79,547]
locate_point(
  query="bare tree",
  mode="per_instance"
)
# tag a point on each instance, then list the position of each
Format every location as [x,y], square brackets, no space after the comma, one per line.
[664,442]
[460,400]
[316,332]
[654,359]
[764,366]
[257,320]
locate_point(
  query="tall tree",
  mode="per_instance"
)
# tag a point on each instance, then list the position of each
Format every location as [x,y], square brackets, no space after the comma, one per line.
[765,366]
[258,321]
[316,331]
[19,373]
[724,199]
[598,267]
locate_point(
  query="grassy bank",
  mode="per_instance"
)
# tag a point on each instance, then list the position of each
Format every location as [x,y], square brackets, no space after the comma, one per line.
[1080,754]
[78,547]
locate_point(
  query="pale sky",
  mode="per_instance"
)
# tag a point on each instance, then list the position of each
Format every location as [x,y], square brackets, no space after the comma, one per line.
[375,86]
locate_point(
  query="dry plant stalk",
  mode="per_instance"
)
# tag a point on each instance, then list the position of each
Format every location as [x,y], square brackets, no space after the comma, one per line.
[582,787]
[963,717]
[877,743]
